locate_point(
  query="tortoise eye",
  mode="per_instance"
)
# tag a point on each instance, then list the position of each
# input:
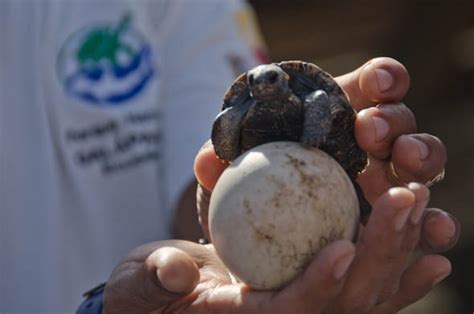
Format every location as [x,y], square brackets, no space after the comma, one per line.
[250,79]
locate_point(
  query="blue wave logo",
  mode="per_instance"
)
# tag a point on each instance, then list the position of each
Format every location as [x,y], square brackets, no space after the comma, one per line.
[105,65]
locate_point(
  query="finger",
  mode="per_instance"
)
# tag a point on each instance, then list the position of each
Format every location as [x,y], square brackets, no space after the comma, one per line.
[176,271]
[378,127]
[415,157]
[411,236]
[416,282]
[380,80]
[422,195]
[320,282]
[410,240]
[440,231]
[418,157]
[208,167]
[380,250]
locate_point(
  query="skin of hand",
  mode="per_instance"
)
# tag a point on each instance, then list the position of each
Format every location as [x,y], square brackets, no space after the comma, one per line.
[374,275]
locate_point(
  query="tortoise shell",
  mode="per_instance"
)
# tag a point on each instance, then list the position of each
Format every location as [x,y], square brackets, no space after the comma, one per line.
[304,78]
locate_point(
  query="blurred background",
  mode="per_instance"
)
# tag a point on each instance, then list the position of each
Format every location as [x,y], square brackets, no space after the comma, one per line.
[435,41]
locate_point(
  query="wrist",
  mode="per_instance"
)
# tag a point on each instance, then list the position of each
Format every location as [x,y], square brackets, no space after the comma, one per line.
[93,301]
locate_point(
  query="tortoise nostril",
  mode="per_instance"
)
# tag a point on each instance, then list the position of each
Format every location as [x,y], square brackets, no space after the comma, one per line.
[272,77]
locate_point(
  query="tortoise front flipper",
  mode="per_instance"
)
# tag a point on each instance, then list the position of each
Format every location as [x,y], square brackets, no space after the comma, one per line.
[226,130]
[317,118]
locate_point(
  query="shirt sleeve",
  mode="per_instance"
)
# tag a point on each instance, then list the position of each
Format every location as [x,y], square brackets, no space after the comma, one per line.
[208,44]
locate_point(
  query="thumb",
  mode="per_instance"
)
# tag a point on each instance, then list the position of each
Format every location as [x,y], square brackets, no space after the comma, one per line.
[208,167]
[175,270]
[166,275]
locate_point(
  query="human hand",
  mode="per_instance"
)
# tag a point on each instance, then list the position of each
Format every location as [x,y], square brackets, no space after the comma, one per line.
[387,132]
[369,277]
[386,129]
[185,277]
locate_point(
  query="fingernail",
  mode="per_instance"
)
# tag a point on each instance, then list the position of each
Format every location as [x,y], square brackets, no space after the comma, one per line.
[422,149]
[342,265]
[384,79]
[401,218]
[381,128]
[440,278]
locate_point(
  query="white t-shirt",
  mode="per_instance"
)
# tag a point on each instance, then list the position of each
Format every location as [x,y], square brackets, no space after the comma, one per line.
[103,105]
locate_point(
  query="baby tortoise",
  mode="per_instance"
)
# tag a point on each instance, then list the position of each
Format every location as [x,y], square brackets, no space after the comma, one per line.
[290,101]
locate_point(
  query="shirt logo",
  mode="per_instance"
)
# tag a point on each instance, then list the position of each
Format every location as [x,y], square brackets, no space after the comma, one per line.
[105,64]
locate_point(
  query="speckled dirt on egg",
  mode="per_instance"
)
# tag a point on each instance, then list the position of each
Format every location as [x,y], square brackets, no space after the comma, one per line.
[275,207]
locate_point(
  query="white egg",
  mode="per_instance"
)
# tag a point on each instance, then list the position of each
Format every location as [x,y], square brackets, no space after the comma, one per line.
[275,207]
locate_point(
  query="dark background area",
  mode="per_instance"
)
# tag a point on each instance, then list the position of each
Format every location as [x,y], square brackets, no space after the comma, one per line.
[435,41]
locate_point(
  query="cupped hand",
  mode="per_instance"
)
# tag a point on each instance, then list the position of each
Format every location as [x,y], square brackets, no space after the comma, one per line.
[185,277]
[368,277]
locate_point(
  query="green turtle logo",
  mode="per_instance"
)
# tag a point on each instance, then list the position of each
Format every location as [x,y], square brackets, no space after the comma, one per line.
[105,65]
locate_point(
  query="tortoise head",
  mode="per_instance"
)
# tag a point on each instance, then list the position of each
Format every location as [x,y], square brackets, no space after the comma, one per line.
[268,82]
